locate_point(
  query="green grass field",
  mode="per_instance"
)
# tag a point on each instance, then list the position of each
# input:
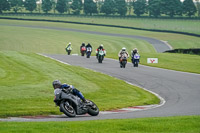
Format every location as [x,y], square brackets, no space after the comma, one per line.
[182,25]
[186,124]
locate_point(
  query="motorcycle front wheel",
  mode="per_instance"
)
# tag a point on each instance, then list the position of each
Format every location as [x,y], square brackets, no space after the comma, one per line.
[67,109]
[93,110]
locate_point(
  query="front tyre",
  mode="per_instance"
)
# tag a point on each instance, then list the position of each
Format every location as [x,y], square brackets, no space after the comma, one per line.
[67,109]
[93,110]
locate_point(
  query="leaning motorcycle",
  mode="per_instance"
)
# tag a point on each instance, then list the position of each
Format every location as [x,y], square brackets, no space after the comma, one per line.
[123,61]
[88,52]
[72,105]
[135,60]
[100,56]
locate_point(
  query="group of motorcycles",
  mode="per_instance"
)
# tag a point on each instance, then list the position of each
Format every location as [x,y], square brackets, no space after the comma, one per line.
[87,51]
[135,60]
[100,56]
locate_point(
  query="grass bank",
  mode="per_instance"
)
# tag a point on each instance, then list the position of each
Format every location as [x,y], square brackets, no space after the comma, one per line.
[181,25]
[181,124]
[26,86]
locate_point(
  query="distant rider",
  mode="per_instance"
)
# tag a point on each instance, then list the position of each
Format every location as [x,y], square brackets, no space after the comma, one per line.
[133,53]
[68,48]
[122,52]
[68,88]
[82,47]
[88,46]
[100,48]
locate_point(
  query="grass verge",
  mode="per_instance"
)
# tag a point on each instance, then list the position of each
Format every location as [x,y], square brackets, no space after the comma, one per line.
[181,124]
[182,25]
[26,86]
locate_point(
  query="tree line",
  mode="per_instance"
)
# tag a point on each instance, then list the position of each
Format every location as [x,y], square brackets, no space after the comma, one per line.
[153,8]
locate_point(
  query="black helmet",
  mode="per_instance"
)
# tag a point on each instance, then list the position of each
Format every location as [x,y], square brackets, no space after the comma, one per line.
[56,84]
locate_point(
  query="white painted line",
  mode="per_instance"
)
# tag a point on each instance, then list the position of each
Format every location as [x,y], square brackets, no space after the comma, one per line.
[54,59]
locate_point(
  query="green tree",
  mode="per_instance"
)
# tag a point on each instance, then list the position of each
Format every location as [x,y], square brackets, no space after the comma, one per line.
[16,5]
[46,5]
[129,6]
[198,7]
[30,5]
[140,7]
[171,7]
[189,8]
[121,7]
[99,5]
[154,7]
[77,6]
[4,5]
[90,7]
[39,6]
[54,5]
[61,6]
[108,7]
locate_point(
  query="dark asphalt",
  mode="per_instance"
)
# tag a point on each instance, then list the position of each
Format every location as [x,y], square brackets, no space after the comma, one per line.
[160,46]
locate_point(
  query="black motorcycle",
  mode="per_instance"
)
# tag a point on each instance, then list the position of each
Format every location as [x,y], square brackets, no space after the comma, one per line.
[88,52]
[72,105]
[100,56]
[123,61]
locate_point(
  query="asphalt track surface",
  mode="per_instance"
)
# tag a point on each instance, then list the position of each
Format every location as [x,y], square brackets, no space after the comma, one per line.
[180,90]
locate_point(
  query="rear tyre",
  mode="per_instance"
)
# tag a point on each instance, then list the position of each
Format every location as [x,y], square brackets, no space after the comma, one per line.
[67,109]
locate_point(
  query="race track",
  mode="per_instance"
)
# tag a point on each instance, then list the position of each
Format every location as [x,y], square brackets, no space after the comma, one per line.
[180,90]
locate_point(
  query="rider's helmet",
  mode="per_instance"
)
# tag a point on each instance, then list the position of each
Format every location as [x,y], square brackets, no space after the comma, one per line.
[123,49]
[56,84]
[135,50]
[101,46]
[83,44]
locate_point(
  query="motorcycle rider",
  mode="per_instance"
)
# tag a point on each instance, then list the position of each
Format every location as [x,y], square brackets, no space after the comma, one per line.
[100,48]
[133,52]
[68,47]
[58,87]
[123,51]
[82,45]
[88,46]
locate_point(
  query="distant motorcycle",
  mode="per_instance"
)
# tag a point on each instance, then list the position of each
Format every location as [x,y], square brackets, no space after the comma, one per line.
[72,105]
[68,50]
[88,52]
[123,61]
[100,56]
[135,60]
[83,51]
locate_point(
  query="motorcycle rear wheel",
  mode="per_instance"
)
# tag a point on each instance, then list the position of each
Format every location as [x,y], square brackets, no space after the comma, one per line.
[67,109]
